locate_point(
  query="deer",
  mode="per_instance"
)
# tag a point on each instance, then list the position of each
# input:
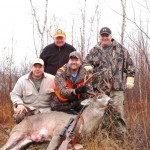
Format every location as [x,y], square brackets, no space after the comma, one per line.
[48,126]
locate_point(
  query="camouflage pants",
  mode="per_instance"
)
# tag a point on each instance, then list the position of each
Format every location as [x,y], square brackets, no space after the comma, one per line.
[113,120]
[118,98]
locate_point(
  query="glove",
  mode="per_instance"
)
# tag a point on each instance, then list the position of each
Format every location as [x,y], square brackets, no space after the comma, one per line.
[81,89]
[130,82]
[88,68]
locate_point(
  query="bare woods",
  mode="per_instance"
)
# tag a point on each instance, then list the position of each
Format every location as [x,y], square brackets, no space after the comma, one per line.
[137,101]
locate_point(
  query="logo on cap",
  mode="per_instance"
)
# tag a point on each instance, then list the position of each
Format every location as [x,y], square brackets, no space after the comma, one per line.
[59,32]
[105,30]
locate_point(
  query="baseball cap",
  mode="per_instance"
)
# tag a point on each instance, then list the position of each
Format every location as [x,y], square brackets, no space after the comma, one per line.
[59,32]
[105,30]
[38,61]
[75,54]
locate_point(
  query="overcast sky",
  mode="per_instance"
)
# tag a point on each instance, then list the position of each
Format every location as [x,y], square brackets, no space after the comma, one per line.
[16,19]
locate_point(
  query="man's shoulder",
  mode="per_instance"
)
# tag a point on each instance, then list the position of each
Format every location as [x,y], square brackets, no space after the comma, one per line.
[95,48]
[62,70]
[116,43]
[50,46]
[69,45]
[47,75]
[118,46]
[24,77]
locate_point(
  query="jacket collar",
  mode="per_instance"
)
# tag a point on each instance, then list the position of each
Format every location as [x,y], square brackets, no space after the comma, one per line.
[59,47]
[29,75]
[80,73]
[114,43]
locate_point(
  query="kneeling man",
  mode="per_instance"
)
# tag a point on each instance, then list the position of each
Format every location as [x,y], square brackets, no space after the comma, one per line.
[33,91]
[70,89]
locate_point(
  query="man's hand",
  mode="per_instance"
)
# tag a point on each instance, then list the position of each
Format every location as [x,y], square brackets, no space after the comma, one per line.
[81,89]
[88,68]
[20,109]
[130,82]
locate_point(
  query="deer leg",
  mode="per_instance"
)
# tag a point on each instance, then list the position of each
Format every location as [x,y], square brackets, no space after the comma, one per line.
[54,143]
[22,144]
[14,139]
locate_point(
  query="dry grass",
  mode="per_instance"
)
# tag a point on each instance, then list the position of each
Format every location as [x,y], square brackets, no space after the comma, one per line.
[138,120]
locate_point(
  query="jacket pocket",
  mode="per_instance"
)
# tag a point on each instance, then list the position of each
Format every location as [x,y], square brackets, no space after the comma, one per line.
[28,97]
[27,93]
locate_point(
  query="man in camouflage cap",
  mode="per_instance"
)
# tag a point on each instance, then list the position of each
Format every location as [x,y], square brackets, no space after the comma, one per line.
[70,89]
[114,63]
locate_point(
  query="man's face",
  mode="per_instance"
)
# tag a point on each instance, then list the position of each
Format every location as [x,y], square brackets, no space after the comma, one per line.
[59,41]
[105,39]
[74,63]
[37,70]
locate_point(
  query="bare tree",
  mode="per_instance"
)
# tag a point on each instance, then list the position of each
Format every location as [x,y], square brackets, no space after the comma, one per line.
[82,30]
[41,30]
[123,4]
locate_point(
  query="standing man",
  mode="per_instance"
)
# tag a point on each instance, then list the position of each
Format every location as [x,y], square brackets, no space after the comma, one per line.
[114,61]
[33,91]
[56,54]
[70,89]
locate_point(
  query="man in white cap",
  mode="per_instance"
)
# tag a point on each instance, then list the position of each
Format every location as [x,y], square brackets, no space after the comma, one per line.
[33,91]
[55,55]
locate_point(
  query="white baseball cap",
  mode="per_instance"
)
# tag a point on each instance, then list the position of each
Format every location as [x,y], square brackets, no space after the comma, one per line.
[38,61]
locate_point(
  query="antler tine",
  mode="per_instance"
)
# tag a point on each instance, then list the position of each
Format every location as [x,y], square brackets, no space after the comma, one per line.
[86,81]
[100,90]
[91,93]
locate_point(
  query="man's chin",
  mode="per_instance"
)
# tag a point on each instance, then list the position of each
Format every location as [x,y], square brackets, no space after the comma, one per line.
[74,68]
[37,75]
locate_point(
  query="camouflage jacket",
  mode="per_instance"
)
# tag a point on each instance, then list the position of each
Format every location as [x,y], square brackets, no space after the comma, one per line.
[60,82]
[114,63]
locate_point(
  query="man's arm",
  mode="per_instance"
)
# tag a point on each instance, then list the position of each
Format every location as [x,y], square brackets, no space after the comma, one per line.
[129,67]
[17,93]
[16,98]
[61,85]
[43,55]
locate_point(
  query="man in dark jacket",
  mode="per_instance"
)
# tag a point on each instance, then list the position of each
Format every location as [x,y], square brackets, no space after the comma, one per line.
[56,54]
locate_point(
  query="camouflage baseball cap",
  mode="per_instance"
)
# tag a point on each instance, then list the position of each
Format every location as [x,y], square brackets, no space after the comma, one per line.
[75,54]
[105,30]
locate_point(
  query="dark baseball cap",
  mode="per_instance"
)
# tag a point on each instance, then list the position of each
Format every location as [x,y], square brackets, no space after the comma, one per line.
[105,30]
[75,54]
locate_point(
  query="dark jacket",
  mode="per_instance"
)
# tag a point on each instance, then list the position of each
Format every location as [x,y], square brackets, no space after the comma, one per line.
[55,57]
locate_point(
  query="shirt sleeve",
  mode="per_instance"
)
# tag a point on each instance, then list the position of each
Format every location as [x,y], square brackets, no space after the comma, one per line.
[17,93]
[61,85]
[129,66]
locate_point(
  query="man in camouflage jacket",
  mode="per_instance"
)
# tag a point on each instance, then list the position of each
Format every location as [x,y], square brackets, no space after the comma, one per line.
[70,89]
[114,63]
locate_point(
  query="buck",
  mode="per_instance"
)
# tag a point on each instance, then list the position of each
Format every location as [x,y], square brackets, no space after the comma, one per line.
[48,126]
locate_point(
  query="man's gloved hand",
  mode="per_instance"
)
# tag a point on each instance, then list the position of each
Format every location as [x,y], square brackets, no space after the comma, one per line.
[88,68]
[130,82]
[81,89]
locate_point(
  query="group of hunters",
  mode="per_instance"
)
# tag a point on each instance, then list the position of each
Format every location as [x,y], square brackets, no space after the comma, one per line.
[56,80]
